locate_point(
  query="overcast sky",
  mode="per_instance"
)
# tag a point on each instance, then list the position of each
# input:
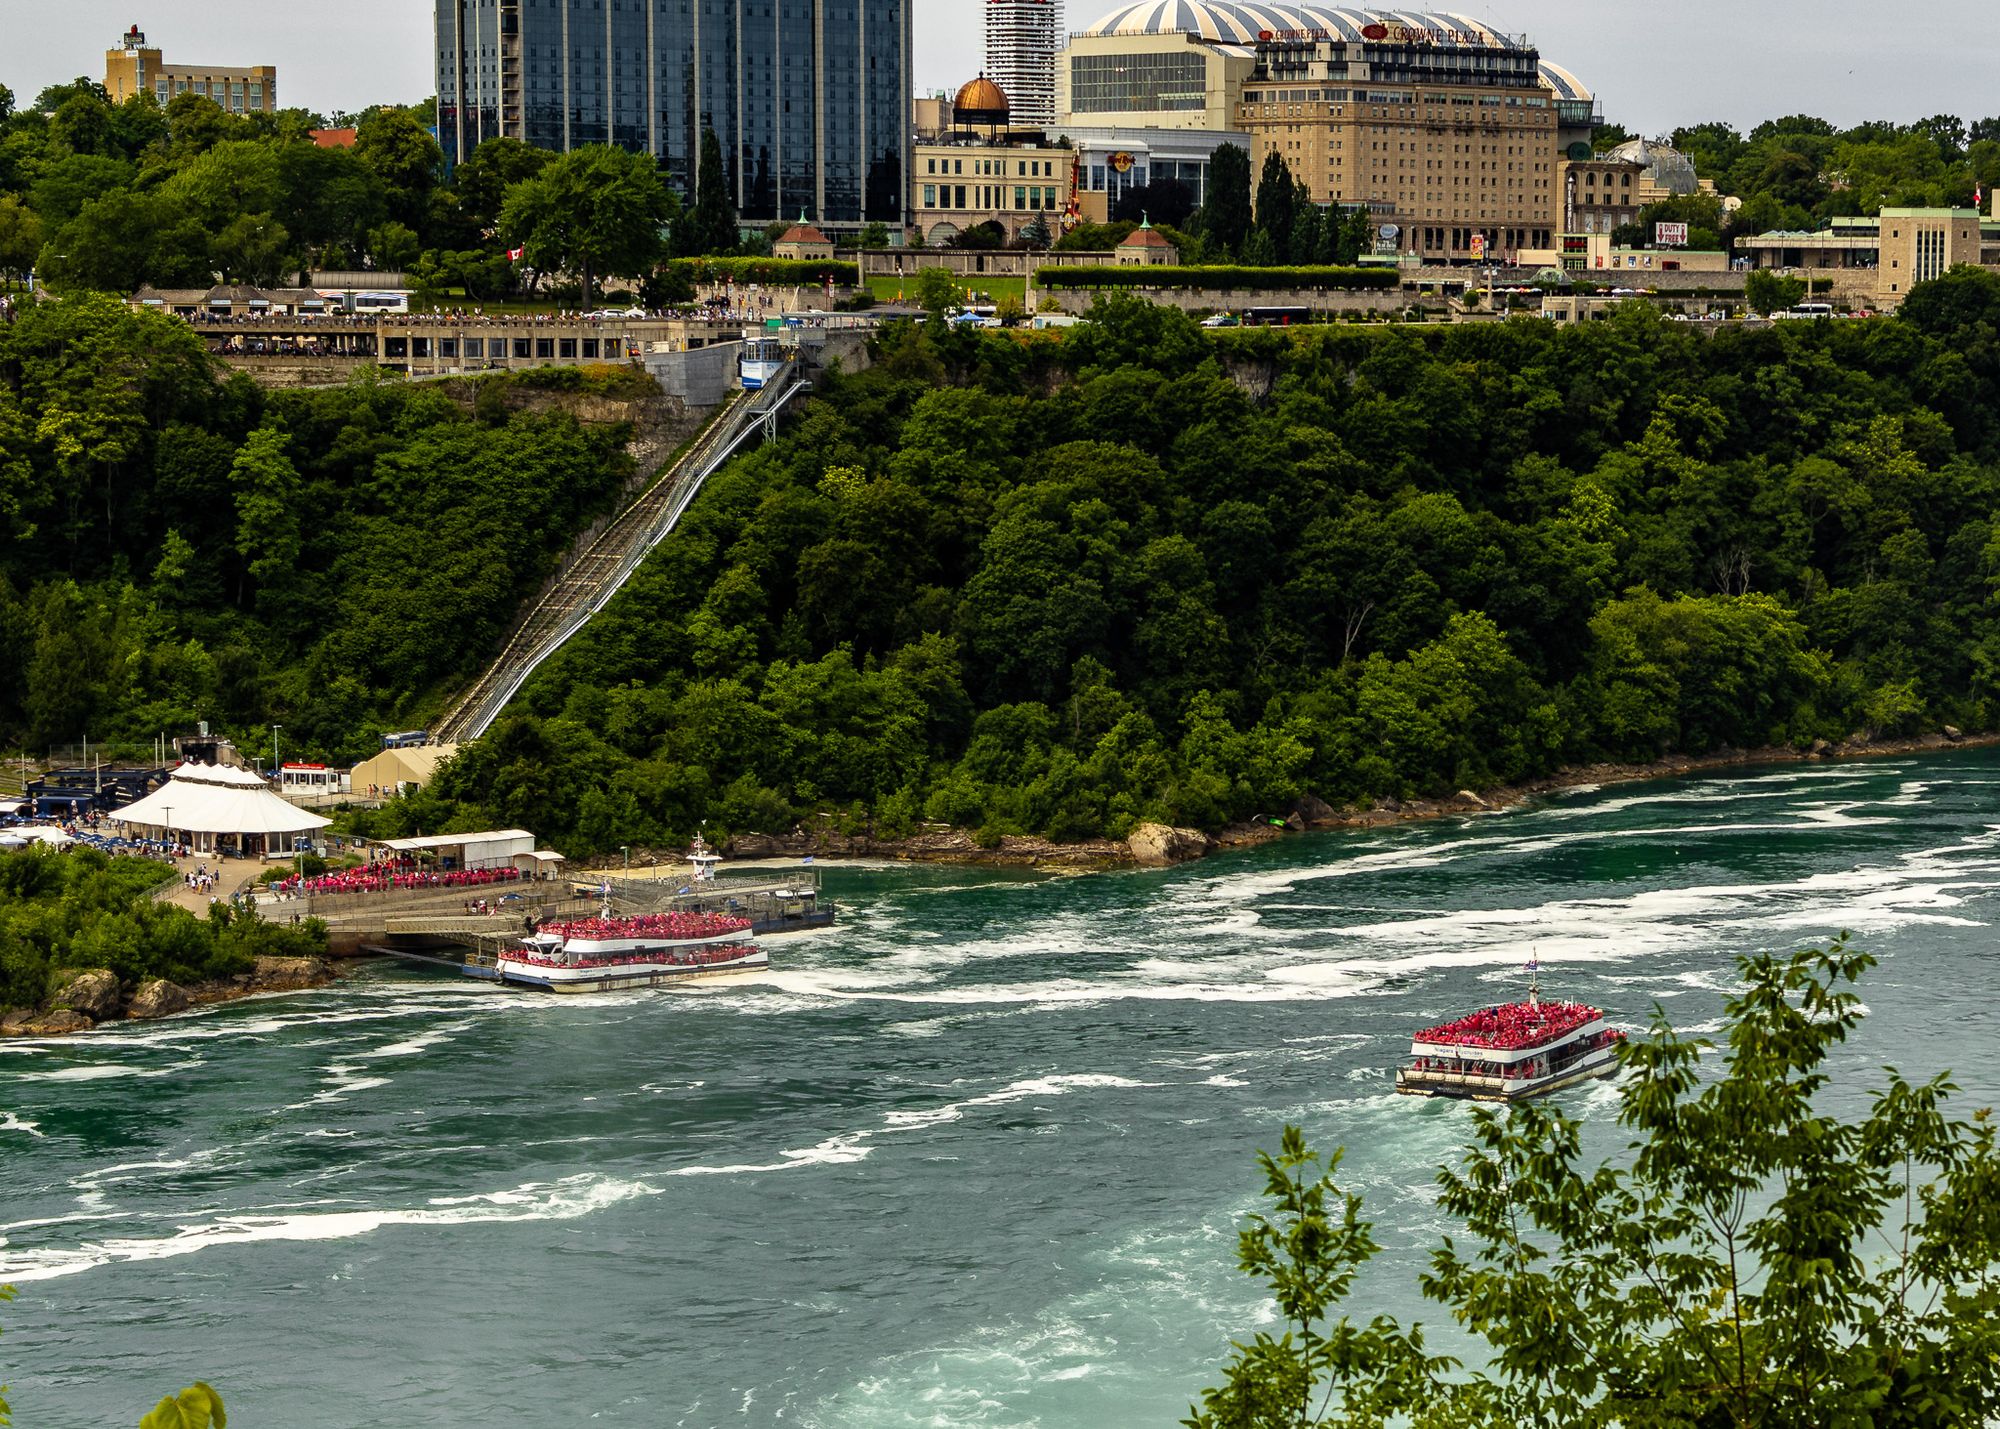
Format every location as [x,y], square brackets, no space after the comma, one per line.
[1653,63]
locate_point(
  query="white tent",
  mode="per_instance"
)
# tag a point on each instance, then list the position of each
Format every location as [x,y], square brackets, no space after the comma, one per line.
[214,801]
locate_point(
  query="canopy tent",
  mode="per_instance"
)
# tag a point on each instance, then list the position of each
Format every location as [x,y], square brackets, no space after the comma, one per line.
[216,803]
[22,837]
[386,773]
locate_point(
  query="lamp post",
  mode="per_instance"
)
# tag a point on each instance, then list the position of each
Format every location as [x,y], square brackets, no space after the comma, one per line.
[626,849]
[170,824]
[276,775]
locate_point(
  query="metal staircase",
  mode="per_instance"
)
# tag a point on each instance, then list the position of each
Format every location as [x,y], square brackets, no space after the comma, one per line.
[580,590]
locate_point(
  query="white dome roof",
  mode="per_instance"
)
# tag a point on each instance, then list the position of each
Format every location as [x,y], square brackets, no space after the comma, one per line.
[1665,165]
[1227,22]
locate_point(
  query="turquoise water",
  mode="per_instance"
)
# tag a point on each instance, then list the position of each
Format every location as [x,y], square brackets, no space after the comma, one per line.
[975,1157]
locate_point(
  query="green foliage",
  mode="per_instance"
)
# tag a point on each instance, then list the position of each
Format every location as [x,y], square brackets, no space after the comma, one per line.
[84,910]
[1215,276]
[1753,1260]
[1767,292]
[710,226]
[776,271]
[174,548]
[594,210]
[6,1291]
[196,1407]
[1063,585]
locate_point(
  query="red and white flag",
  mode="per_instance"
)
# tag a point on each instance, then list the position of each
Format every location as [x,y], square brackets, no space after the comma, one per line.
[514,254]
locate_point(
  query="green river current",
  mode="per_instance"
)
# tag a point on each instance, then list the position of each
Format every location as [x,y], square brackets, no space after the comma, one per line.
[974,1157]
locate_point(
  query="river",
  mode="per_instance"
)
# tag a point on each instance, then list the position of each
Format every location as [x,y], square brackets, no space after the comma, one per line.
[975,1157]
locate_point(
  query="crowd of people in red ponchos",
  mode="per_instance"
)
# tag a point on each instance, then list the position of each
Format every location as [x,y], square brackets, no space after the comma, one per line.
[687,957]
[383,876]
[668,927]
[1512,1026]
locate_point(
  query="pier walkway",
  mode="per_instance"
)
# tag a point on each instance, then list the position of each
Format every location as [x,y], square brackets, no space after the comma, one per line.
[580,590]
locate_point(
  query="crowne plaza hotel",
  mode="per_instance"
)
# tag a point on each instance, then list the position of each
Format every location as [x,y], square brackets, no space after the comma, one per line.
[1446,129]
[808,98]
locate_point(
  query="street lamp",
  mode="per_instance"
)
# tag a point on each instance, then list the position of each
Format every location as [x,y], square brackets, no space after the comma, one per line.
[626,849]
[275,773]
[170,823]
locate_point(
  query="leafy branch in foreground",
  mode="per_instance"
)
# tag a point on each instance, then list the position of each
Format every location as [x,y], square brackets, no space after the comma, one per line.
[196,1407]
[1368,1374]
[1755,1260]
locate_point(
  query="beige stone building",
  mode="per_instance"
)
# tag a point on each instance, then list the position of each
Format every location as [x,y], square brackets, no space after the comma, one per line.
[1878,260]
[133,68]
[1125,71]
[1450,131]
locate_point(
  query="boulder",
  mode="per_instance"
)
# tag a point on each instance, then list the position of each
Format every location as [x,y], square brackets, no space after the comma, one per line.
[158,998]
[1953,733]
[1157,845]
[1316,811]
[282,974]
[58,1023]
[1465,798]
[1820,746]
[91,991]
[15,1023]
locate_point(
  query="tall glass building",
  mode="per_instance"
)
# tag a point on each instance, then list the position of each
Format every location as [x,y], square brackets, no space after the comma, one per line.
[810,98]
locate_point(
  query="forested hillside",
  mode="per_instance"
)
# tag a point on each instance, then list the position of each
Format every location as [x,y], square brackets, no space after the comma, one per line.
[1021,584]
[177,547]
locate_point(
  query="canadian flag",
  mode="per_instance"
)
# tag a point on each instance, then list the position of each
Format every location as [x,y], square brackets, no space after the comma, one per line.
[514,254]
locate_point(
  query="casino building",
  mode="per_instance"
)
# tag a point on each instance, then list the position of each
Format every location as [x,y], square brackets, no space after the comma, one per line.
[1451,132]
[810,98]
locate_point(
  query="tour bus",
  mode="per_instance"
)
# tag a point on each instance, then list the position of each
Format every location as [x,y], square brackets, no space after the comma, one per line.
[301,778]
[1806,310]
[1275,317]
[369,304]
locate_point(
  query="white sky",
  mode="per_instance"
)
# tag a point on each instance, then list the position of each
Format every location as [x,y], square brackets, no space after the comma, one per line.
[1653,63]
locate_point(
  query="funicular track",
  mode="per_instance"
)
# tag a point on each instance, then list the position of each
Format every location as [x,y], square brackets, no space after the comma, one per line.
[580,590]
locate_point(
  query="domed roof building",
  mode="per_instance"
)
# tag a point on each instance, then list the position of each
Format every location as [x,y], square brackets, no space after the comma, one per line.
[1225,22]
[981,102]
[1667,168]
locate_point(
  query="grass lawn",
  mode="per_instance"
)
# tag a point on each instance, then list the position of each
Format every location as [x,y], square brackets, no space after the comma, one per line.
[995,288]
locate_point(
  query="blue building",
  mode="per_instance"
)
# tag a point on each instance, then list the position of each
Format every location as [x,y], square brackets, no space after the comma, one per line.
[809,98]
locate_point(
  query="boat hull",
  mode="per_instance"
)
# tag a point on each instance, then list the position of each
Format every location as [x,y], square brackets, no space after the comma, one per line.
[548,977]
[1471,1087]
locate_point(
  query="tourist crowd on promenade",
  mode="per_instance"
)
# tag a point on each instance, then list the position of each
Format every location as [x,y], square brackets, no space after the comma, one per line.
[1511,1027]
[391,875]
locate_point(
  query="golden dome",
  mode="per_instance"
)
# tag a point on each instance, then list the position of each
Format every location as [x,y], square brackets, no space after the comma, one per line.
[981,97]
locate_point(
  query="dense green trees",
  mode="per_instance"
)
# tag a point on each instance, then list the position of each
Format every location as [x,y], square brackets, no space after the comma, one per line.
[84,910]
[593,210]
[1144,574]
[1755,1262]
[177,548]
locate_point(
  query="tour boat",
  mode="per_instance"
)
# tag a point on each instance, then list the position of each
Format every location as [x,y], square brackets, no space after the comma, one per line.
[647,950]
[1512,1052]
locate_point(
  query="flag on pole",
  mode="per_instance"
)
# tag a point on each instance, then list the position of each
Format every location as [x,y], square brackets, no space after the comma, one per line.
[514,255]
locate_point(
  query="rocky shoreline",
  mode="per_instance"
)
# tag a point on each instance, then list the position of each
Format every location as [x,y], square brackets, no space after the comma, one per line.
[90,997]
[1157,845]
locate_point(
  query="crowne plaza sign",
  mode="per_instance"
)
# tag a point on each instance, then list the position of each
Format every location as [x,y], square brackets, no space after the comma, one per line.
[1423,35]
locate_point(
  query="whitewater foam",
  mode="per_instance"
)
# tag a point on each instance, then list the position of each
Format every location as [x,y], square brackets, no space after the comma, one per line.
[570,1198]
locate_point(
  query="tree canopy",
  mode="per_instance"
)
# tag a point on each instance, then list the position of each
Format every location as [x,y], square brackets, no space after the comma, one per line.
[1752,1261]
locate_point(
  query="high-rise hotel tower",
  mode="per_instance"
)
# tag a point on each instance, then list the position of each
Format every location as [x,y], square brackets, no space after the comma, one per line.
[1021,57]
[809,98]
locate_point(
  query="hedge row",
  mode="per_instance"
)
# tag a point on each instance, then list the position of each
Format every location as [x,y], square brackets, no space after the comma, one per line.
[1217,276]
[784,271]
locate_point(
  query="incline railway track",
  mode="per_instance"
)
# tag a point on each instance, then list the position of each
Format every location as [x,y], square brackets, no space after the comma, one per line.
[580,590]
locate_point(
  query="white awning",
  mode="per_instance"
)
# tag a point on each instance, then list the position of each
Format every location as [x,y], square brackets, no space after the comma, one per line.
[216,799]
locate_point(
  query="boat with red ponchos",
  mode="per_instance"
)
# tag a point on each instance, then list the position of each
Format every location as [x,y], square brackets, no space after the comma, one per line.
[1513,1051]
[644,950]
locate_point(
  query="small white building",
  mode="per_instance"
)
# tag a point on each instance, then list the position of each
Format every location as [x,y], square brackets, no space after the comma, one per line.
[500,848]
